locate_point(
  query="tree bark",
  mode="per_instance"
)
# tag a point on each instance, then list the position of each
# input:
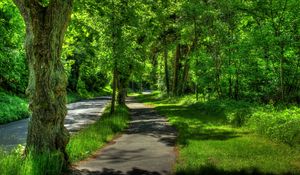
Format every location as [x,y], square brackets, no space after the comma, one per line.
[45,28]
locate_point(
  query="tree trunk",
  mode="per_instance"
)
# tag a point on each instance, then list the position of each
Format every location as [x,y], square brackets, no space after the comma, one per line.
[185,76]
[45,28]
[122,89]
[236,88]
[176,70]
[154,61]
[185,55]
[166,66]
[230,79]
[113,98]
[74,75]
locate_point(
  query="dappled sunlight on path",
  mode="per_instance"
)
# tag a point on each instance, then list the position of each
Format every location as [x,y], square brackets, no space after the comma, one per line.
[147,147]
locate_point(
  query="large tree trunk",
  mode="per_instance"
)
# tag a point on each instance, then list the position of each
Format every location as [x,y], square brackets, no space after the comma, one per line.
[45,28]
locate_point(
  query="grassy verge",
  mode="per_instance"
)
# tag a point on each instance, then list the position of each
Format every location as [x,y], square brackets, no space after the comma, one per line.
[85,142]
[217,137]
[73,97]
[15,163]
[12,108]
[81,145]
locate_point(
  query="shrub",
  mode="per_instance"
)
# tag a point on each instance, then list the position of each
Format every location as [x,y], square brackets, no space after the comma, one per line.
[282,126]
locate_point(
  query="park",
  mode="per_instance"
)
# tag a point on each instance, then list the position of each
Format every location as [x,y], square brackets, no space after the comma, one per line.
[149,87]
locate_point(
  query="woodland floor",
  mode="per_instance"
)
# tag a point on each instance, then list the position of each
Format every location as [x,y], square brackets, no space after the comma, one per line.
[147,147]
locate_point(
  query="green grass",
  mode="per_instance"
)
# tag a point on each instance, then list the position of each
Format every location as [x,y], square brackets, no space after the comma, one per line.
[84,143]
[73,97]
[12,108]
[81,145]
[214,138]
[34,164]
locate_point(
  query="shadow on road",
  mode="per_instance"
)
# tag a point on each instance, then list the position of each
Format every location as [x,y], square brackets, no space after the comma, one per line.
[106,171]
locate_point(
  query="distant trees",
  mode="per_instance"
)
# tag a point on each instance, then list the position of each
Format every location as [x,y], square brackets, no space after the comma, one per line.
[228,49]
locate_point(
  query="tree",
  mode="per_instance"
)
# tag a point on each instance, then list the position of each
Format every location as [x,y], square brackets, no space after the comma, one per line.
[46,23]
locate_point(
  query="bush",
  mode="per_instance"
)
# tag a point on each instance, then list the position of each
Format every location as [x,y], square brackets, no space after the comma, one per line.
[282,126]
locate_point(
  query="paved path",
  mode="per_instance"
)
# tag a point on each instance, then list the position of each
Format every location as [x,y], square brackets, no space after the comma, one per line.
[79,115]
[146,147]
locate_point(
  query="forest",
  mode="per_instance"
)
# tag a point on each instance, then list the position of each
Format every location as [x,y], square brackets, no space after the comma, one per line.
[225,73]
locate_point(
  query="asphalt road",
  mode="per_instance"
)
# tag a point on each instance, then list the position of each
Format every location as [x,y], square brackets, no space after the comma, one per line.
[80,114]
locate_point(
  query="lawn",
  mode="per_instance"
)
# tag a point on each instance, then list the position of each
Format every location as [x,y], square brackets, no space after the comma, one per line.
[210,141]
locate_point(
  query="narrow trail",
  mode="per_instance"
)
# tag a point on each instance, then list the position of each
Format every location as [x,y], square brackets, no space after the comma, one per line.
[80,114]
[146,147]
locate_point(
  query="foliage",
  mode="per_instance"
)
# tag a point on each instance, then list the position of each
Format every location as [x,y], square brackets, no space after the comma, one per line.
[13,72]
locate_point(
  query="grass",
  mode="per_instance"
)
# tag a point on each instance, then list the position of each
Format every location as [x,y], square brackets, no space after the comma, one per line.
[212,141]
[73,97]
[34,164]
[81,145]
[12,108]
